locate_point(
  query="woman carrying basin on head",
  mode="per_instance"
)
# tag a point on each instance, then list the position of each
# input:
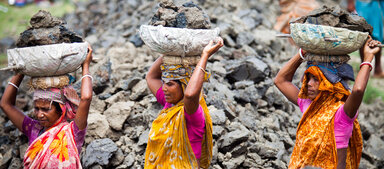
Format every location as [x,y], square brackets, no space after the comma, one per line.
[181,135]
[328,135]
[53,142]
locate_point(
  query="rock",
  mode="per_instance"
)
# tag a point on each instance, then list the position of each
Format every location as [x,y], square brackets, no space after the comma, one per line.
[118,113]
[117,158]
[376,148]
[101,76]
[234,162]
[7,157]
[15,164]
[248,95]
[143,139]
[46,30]
[217,115]
[118,97]
[97,105]
[217,131]
[136,40]
[250,68]
[247,118]
[243,84]
[235,137]
[98,126]
[23,148]
[139,90]
[244,38]
[99,152]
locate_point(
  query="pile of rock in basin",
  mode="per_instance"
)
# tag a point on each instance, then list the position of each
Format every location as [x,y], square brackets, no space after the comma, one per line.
[254,125]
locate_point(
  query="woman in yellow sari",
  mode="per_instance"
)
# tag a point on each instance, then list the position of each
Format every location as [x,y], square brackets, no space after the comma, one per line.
[328,135]
[181,135]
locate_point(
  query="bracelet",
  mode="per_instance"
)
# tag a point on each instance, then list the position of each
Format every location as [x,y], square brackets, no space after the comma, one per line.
[367,63]
[13,85]
[301,54]
[87,76]
[201,69]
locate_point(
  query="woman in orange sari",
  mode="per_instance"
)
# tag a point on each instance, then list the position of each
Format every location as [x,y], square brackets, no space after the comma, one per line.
[328,135]
[181,135]
[53,142]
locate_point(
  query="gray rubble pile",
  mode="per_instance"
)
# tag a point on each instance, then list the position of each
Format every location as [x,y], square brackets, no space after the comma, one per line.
[254,126]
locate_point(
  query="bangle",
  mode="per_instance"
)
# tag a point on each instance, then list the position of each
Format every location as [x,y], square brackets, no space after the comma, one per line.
[301,54]
[87,76]
[13,85]
[367,63]
[201,68]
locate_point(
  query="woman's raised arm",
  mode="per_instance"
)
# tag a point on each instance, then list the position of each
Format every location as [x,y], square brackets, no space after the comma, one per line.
[283,80]
[353,102]
[153,76]
[8,101]
[192,92]
[86,93]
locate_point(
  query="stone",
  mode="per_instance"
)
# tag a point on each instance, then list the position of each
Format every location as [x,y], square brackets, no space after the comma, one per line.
[23,148]
[139,90]
[376,147]
[244,38]
[16,163]
[217,115]
[234,162]
[118,113]
[117,158]
[7,157]
[217,131]
[143,139]
[235,137]
[136,40]
[99,152]
[250,68]
[98,126]
[248,95]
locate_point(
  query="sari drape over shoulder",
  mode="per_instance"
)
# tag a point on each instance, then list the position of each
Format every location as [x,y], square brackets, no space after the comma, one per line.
[315,140]
[55,148]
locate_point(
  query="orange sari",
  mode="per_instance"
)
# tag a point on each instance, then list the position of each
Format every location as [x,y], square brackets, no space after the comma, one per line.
[315,139]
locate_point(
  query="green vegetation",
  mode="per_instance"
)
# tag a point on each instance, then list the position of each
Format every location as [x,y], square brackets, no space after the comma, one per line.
[371,93]
[16,19]
[3,60]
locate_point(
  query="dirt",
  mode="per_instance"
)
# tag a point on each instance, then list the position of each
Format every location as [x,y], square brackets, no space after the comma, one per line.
[46,29]
[188,15]
[336,17]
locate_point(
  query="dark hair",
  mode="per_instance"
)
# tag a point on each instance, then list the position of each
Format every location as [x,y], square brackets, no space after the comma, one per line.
[58,108]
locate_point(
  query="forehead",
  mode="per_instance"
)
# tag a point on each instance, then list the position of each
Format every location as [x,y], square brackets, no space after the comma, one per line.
[310,75]
[42,103]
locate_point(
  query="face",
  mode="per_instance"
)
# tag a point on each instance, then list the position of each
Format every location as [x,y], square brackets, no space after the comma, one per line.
[47,115]
[313,86]
[173,92]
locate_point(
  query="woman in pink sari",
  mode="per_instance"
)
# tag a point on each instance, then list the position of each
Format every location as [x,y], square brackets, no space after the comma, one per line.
[53,141]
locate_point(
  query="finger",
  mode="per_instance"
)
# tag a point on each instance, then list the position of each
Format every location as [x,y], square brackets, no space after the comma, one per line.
[210,43]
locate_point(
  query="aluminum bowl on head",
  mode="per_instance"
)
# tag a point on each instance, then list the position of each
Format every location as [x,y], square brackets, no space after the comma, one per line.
[327,40]
[177,41]
[47,60]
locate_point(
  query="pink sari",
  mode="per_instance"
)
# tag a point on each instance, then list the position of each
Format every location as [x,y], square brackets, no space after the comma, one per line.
[55,148]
